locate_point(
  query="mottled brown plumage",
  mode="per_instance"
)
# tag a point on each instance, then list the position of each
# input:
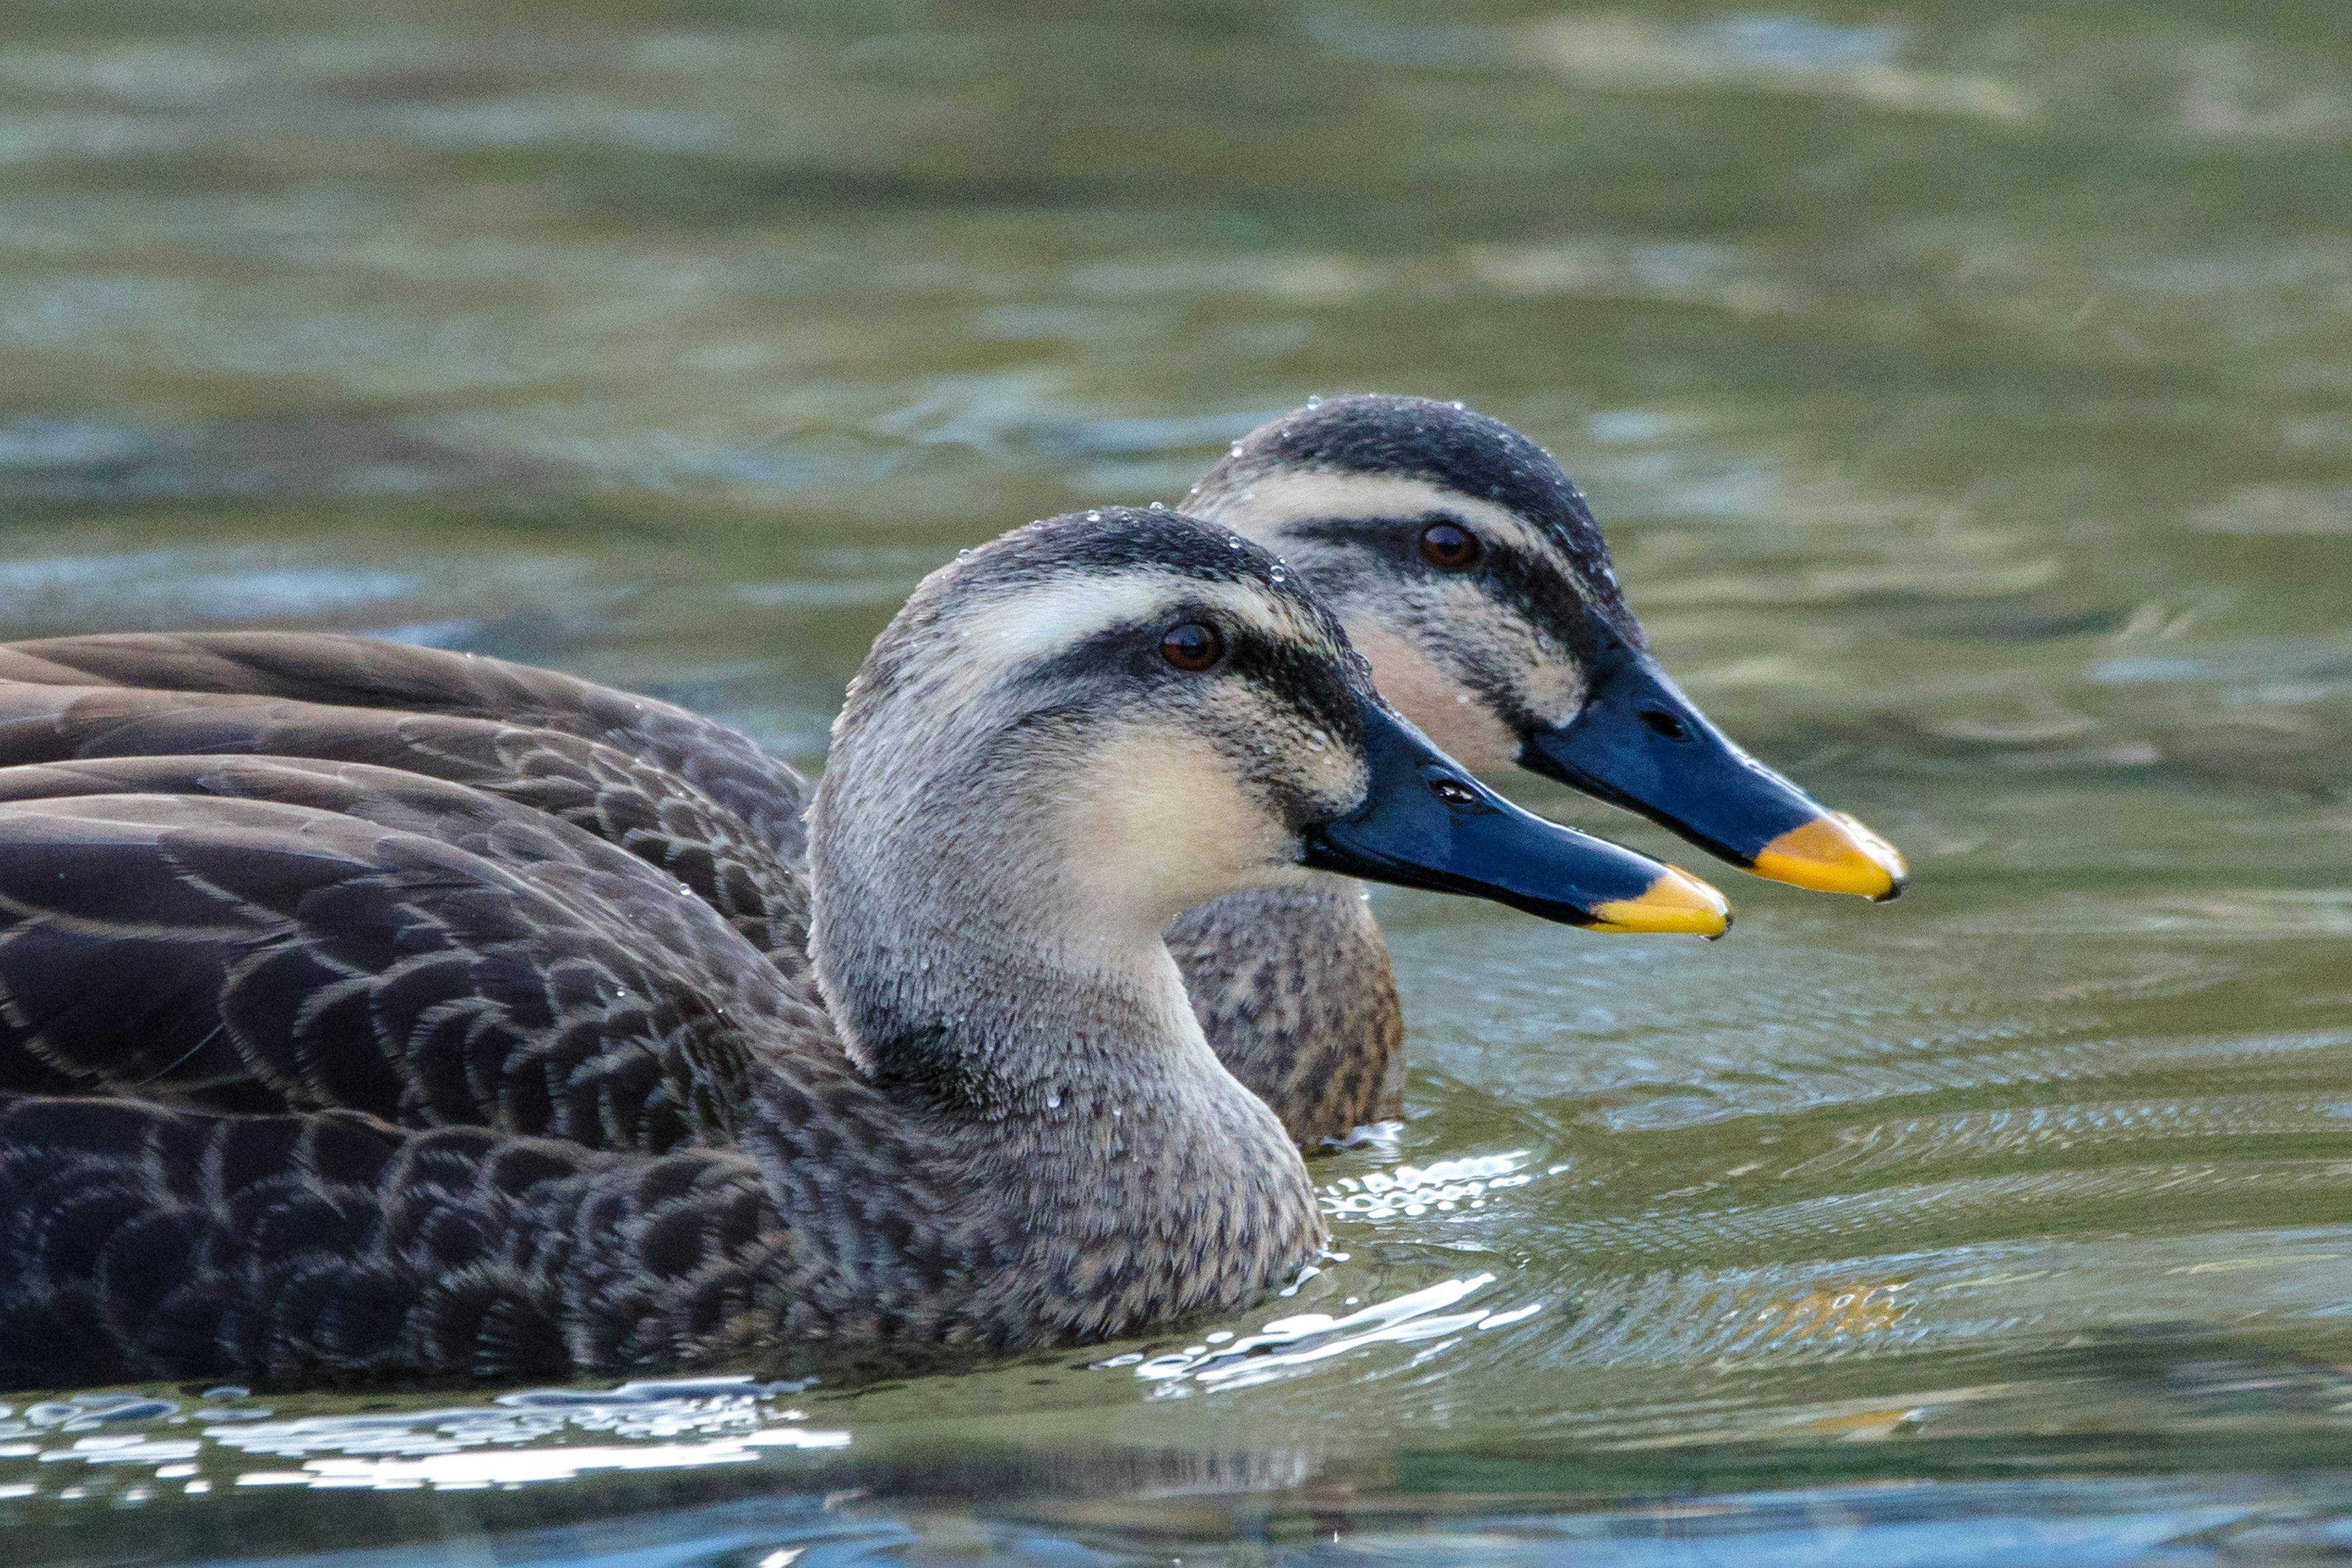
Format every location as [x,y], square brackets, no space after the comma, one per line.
[684,792]
[305,935]
[1291,985]
[409,1054]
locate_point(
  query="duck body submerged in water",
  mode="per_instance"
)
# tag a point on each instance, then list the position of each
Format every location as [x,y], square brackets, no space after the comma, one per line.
[411,1052]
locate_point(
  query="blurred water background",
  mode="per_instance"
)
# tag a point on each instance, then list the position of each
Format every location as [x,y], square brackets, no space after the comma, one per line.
[1967,390]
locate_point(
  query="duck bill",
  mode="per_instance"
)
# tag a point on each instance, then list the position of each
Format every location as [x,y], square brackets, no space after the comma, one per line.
[1426,822]
[1640,743]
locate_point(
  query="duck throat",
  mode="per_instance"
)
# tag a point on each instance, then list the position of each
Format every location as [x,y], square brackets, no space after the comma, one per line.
[972,966]
[983,1028]
[1105,1169]
[1112,1173]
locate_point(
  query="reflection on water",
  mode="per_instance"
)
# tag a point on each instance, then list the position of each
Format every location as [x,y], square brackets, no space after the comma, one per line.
[525,1436]
[1969,396]
[1287,1344]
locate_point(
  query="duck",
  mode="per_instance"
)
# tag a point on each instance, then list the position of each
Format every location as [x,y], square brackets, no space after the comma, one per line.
[1470,571]
[321,1069]
[1466,564]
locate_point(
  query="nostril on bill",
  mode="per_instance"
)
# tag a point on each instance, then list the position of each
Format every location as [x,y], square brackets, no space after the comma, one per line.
[1454,792]
[1662,722]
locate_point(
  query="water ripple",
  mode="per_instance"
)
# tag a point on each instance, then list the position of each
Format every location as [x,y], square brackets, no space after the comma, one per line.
[524,1436]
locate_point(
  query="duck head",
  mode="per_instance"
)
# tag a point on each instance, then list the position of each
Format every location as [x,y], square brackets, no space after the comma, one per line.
[1097,722]
[1468,569]
[1075,732]
[1164,713]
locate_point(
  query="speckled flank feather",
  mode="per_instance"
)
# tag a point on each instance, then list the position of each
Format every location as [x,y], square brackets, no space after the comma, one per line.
[308,935]
[139,1242]
[1293,987]
[684,793]
[343,1040]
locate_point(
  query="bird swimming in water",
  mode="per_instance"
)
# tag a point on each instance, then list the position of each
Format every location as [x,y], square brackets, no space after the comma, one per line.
[1462,558]
[441,1043]
[1469,570]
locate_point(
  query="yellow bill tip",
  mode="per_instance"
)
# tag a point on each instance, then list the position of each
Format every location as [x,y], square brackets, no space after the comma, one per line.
[1677,903]
[1835,854]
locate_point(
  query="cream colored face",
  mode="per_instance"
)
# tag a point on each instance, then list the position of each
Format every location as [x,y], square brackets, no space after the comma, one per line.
[1157,822]
[1198,790]
[1476,658]
[1435,697]
[1150,788]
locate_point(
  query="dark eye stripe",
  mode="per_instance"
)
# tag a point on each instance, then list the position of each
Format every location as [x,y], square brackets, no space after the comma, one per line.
[1131,658]
[1533,584]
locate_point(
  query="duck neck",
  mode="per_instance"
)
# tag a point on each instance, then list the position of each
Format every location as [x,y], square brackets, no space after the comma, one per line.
[1108,1170]
[969,975]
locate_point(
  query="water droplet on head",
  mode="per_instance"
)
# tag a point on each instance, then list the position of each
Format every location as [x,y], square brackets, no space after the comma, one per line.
[1455,405]
[1233,542]
[1317,403]
[1053,1102]
[1234,450]
[963,554]
[1318,739]
[1094,517]
[1279,576]
[1159,506]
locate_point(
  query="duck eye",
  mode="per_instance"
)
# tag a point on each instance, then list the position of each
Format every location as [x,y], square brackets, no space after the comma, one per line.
[1449,547]
[1191,647]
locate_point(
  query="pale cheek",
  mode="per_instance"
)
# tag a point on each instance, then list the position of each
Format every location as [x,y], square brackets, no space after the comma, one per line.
[1556,692]
[1443,708]
[1334,781]
[1160,828]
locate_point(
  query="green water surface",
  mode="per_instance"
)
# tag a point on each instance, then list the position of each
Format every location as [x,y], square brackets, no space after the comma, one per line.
[1967,390]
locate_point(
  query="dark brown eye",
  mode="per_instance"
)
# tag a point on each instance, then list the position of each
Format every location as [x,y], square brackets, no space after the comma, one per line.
[1449,547]
[1191,647]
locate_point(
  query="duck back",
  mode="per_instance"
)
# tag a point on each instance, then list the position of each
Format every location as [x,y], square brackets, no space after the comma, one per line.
[1292,986]
[353,672]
